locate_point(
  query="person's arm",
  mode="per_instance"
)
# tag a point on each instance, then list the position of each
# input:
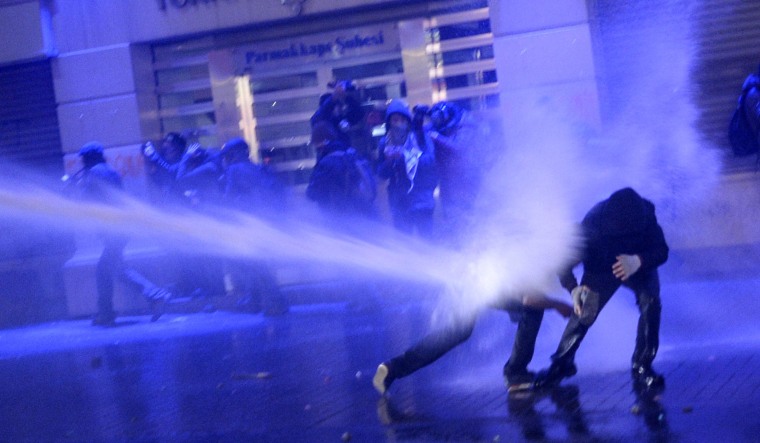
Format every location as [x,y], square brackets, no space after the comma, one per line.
[158,162]
[656,251]
[444,143]
[325,111]
[567,279]
[544,302]
[566,276]
[354,113]
[206,172]
[387,164]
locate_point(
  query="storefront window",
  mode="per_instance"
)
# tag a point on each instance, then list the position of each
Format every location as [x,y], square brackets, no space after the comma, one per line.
[385,67]
[454,57]
[279,131]
[270,108]
[284,82]
[287,76]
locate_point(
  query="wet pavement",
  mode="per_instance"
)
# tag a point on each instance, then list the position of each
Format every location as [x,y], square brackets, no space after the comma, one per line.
[306,376]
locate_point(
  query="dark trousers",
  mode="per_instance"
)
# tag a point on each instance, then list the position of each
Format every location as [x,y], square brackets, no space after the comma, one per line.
[409,220]
[111,267]
[433,346]
[256,284]
[646,287]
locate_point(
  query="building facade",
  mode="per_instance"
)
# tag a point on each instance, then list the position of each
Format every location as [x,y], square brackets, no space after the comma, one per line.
[123,72]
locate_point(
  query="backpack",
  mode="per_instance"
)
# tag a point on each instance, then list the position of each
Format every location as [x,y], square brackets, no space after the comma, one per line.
[360,182]
[741,133]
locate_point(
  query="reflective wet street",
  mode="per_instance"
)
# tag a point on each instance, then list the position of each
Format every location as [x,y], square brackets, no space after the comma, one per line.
[306,376]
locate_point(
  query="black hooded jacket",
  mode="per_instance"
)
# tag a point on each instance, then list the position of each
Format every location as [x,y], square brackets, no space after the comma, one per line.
[625,223]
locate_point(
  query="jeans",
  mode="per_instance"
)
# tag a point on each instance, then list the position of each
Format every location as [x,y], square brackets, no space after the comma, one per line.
[434,345]
[646,287]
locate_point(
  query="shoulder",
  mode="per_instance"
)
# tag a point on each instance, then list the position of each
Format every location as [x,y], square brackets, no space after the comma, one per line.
[593,216]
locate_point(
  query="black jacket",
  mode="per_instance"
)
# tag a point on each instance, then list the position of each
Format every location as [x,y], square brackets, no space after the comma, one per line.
[625,223]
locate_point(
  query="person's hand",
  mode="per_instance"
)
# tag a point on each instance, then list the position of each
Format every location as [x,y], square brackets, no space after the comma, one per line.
[577,294]
[626,266]
[195,150]
[149,150]
[564,309]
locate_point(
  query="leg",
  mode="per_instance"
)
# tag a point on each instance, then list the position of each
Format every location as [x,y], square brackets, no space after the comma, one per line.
[528,324]
[108,267]
[516,372]
[139,282]
[648,333]
[155,295]
[265,285]
[646,287]
[243,285]
[401,221]
[423,220]
[563,360]
[432,347]
[603,284]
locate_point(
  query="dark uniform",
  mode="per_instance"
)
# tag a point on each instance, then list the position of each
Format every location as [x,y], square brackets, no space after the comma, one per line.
[253,188]
[433,346]
[100,183]
[624,225]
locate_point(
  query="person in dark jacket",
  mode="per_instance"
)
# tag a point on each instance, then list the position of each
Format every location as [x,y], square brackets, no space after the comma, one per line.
[407,161]
[197,177]
[161,168]
[527,312]
[624,246]
[341,182]
[342,109]
[100,183]
[247,186]
[464,154]
[255,189]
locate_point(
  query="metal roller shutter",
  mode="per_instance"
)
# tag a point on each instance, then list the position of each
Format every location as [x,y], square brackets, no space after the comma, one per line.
[729,50]
[29,133]
[725,36]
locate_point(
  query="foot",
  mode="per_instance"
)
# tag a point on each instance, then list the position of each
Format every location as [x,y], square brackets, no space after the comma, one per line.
[158,301]
[646,380]
[519,381]
[248,303]
[382,381]
[552,376]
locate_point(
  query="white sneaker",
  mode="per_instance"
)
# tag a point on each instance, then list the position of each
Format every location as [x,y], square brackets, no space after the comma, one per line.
[378,381]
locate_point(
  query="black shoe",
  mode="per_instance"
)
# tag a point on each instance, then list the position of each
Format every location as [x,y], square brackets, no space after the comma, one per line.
[517,382]
[552,376]
[645,380]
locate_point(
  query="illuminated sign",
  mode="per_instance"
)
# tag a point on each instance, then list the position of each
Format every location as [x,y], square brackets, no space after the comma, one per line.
[294,5]
[319,47]
[164,4]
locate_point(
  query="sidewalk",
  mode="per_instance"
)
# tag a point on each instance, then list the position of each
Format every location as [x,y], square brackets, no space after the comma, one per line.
[306,376]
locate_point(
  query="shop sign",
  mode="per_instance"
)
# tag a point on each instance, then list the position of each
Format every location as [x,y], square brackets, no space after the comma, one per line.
[163,5]
[319,47]
[179,4]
